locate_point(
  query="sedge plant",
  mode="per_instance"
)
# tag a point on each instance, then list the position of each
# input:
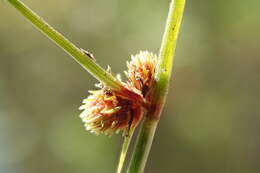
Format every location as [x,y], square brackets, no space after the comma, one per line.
[120,106]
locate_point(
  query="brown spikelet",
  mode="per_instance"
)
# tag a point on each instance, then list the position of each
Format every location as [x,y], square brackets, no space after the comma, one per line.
[106,112]
[141,71]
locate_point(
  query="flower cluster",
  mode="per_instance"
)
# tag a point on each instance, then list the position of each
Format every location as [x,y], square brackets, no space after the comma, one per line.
[106,111]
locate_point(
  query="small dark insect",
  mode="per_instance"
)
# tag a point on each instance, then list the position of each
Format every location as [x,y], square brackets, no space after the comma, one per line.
[108,92]
[90,55]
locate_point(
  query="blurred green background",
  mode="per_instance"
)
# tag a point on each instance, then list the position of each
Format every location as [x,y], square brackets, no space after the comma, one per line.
[211,121]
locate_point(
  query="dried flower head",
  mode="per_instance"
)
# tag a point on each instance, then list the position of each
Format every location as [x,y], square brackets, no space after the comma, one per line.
[141,70]
[107,111]
[104,111]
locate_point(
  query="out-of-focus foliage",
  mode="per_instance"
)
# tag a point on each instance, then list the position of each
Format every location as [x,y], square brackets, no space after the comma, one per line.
[211,122]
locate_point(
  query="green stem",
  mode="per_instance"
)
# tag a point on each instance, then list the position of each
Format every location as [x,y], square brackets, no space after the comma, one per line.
[142,147]
[163,74]
[125,146]
[168,46]
[82,58]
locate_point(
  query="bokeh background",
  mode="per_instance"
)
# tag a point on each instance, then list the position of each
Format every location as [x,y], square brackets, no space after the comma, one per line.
[211,121]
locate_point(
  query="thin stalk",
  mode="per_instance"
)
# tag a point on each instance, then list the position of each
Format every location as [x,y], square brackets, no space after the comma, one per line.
[163,73]
[125,146]
[76,53]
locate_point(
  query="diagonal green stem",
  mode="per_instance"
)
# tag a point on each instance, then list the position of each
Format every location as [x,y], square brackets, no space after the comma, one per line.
[163,73]
[77,54]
